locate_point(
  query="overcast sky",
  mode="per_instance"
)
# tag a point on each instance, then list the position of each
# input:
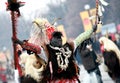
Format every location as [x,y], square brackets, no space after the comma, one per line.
[27,10]
[32,5]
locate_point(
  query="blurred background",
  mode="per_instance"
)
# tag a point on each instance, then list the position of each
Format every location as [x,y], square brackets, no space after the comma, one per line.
[76,18]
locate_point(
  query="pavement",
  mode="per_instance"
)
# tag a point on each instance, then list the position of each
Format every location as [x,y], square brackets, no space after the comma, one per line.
[105,77]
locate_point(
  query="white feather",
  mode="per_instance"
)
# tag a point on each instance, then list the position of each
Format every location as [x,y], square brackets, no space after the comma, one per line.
[100,13]
[92,17]
[102,8]
[103,2]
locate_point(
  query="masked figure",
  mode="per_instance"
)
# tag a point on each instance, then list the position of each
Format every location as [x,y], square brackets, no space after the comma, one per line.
[89,61]
[61,67]
[32,57]
[111,54]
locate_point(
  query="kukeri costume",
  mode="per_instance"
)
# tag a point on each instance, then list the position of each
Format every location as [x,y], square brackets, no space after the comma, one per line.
[32,57]
[61,67]
[111,55]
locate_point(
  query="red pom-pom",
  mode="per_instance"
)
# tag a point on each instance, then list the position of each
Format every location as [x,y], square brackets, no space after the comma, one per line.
[49,30]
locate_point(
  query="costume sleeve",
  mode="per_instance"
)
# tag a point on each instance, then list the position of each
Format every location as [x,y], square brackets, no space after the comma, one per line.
[83,36]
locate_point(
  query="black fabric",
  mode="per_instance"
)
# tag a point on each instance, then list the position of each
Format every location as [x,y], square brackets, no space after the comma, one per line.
[69,73]
[19,52]
[28,79]
[57,34]
[112,62]
[88,57]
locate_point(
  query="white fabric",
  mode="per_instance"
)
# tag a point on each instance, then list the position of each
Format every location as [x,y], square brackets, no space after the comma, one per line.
[104,2]
[42,55]
[16,75]
[90,78]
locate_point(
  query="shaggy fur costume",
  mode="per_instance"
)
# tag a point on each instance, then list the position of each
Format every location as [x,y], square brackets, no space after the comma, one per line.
[61,56]
[33,67]
[109,45]
[111,56]
[68,70]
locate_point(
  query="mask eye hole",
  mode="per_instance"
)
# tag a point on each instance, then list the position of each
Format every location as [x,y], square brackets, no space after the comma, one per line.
[29,52]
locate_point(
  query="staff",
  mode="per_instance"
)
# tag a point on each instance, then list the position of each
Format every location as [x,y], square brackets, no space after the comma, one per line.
[13,6]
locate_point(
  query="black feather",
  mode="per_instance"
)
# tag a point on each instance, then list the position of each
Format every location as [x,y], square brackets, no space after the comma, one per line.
[57,34]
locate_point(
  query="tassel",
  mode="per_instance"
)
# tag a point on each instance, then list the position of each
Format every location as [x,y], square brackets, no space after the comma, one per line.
[100,13]
[103,2]
[51,69]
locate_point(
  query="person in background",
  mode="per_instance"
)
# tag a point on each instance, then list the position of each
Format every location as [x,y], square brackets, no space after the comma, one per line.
[89,61]
[117,40]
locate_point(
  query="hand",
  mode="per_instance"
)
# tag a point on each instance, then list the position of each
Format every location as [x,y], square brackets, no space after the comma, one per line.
[14,40]
[17,41]
[99,59]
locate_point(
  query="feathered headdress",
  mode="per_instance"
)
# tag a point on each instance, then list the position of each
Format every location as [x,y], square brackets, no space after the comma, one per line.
[41,31]
[100,10]
[101,5]
[57,34]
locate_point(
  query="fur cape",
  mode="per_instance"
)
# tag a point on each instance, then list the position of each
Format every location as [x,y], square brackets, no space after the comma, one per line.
[109,45]
[111,56]
[71,72]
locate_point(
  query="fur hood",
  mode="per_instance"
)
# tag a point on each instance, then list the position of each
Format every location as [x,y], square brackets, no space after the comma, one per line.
[109,45]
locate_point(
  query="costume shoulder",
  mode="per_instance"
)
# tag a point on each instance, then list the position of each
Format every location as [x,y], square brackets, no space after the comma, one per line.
[71,43]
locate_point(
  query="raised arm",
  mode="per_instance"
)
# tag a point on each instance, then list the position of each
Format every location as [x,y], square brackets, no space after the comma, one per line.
[28,46]
[83,36]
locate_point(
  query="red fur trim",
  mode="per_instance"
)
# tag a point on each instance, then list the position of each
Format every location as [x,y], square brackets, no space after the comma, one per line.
[102,48]
[74,80]
[32,47]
